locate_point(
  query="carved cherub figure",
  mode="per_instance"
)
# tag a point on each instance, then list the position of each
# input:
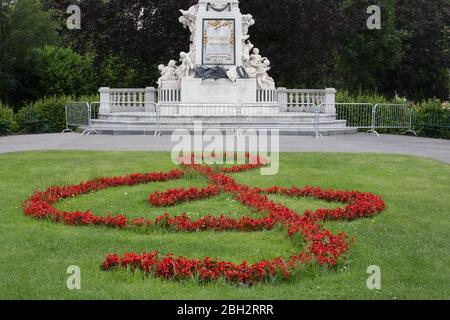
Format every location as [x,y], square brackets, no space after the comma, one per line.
[167,72]
[253,63]
[247,22]
[189,18]
[263,80]
[187,66]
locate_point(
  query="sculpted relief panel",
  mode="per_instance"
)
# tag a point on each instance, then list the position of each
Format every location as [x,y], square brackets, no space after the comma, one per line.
[219,42]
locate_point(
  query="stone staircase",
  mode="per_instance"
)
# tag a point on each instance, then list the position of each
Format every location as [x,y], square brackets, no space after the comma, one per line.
[289,123]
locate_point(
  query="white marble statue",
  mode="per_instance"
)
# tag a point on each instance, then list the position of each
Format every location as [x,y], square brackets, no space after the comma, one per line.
[189,18]
[247,22]
[258,67]
[253,63]
[248,61]
[187,66]
[168,72]
[263,80]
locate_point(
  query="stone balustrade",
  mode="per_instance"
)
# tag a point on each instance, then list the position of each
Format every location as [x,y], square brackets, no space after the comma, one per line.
[129,100]
[144,100]
[266,96]
[169,95]
[304,100]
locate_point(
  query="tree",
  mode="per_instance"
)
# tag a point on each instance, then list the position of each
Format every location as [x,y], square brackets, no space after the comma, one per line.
[300,37]
[367,56]
[318,43]
[62,71]
[424,70]
[6,77]
[138,34]
[24,26]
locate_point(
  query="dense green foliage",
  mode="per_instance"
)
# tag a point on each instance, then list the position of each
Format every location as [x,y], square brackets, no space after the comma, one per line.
[24,26]
[47,114]
[323,43]
[7,120]
[64,72]
[432,119]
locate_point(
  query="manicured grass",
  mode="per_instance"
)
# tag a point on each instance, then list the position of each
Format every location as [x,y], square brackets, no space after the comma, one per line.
[409,241]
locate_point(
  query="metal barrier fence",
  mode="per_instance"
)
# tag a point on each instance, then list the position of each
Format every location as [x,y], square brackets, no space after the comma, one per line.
[78,114]
[125,118]
[357,115]
[185,115]
[436,121]
[364,116]
[369,116]
[393,116]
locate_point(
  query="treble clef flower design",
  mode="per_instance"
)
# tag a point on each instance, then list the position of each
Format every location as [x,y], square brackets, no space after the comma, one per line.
[322,246]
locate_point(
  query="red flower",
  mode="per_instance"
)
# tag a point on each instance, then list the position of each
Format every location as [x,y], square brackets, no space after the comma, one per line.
[322,246]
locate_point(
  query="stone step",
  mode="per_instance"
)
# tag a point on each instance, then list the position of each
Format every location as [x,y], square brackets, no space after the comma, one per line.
[149,117]
[110,130]
[288,123]
[179,120]
[181,123]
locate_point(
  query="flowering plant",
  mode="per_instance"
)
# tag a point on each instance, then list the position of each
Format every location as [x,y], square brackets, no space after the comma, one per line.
[322,246]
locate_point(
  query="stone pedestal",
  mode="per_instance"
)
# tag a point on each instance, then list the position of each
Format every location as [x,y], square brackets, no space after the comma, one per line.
[150,99]
[105,102]
[221,91]
[330,101]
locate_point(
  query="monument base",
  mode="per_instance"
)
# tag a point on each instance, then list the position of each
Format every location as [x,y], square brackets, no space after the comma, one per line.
[220,91]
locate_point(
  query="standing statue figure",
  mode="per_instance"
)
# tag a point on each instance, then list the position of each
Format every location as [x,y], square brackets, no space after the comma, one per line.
[247,22]
[168,72]
[263,80]
[187,66]
[189,18]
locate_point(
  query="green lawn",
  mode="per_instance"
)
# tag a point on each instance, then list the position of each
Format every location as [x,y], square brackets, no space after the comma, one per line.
[409,241]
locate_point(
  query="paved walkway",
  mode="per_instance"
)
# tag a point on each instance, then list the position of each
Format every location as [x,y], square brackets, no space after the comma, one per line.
[360,143]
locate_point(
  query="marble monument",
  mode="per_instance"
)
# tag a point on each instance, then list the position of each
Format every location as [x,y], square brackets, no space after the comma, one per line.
[222,64]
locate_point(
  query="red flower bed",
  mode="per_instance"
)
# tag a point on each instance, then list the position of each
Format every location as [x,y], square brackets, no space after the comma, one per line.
[174,196]
[322,246]
[222,223]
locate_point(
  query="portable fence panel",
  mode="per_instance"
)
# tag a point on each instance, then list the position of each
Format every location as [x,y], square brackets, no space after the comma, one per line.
[439,121]
[392,116]
[198,110]
[210,116]
[357,115]
[77,114]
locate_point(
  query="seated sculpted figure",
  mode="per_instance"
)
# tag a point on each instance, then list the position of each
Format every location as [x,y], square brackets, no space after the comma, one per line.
[263,80]
[187,66]
[253,63]
[167,72]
